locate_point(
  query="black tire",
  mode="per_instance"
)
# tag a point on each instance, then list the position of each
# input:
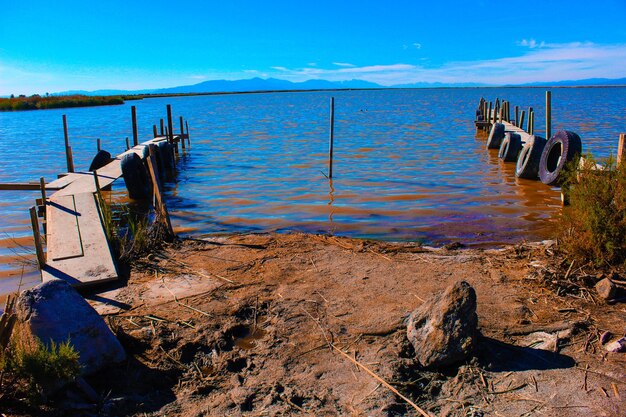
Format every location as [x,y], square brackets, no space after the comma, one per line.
[529,158]
[101,159]
[510,147]
[563,147]
[166,152]
[496,134]
[135,177]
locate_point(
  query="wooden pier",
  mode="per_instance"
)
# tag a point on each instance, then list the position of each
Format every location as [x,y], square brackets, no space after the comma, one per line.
[78,249]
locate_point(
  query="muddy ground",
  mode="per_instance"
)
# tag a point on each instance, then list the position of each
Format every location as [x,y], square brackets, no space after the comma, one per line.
[253,324]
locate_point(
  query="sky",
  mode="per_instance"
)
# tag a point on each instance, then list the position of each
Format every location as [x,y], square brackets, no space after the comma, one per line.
[53,46]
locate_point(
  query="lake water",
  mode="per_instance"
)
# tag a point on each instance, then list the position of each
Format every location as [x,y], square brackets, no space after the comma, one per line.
[409,164]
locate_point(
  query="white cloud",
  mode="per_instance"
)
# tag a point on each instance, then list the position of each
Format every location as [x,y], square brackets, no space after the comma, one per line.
[280,68]
[540,62]
[417,45]
[343,64]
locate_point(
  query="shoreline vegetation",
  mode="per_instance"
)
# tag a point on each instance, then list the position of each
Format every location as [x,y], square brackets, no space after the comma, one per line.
[37,102]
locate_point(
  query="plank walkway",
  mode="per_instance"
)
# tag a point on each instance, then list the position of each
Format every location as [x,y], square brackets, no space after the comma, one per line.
[78,250]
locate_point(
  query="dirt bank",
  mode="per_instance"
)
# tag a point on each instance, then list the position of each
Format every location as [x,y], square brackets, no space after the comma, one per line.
[245,325]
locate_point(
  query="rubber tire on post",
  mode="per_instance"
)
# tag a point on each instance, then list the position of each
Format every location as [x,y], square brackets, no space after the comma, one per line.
[510,147]
[166,152]
[101,159]
[496,134]
[135,177]
[529,158]
[562,147]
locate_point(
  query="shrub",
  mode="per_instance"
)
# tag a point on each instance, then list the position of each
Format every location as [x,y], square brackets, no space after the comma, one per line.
[42,366]
[593,228]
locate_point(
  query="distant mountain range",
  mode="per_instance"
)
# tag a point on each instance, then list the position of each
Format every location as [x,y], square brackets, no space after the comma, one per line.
[274,84]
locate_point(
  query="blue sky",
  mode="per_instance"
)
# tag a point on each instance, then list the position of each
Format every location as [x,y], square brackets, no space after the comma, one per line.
[50,46]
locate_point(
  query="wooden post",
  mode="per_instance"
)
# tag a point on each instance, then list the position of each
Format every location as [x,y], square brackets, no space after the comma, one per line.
[99,145]
[548,114]
[127,144]
[162,130]
[517,116]
[68,151]
[34,222]
[508,111]
[620,148]
[170,127]
[521,119]
[42,185]
[187,130]
[488,118]
[96,181]
[331,138]
[182,132]
[531,122]
[154,131]
[133,112]
[500,113]
[158,197]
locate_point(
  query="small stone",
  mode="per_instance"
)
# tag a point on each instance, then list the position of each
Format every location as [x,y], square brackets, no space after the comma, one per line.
[604,337]
[606,289]
[443,329]
[616,346]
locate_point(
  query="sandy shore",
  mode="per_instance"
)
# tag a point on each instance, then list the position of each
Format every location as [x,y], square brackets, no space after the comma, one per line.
[245,325]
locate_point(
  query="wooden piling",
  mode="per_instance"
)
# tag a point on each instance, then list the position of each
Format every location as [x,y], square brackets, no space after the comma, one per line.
[531,122]
[500,112]
[170,126]
[521,119]
[127,143]
[187,130]
[488,118]
[158,197]
[133,112]
[548,114]
[517,116]
[154,131]
[42,185]
[98,144]
[162,129]
[34,222]
[620,148]
[68,150]
[331,138]
[182,132]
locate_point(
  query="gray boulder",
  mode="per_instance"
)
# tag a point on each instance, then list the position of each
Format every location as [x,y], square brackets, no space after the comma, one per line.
[55,311]
[443,329]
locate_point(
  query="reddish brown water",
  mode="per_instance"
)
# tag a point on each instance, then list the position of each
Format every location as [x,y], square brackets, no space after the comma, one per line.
[408,164]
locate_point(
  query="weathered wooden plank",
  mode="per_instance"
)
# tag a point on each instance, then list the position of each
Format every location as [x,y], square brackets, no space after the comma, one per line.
[96,264]
[25,186]
[63,233]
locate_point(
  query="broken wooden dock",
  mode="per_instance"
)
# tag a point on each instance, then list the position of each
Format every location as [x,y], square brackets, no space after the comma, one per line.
[78,249]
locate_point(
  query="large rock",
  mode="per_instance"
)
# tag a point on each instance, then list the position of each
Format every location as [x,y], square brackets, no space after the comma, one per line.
[55,311]
[443,329]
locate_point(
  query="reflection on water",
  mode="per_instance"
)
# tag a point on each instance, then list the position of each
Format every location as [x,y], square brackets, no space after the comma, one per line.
[408,164]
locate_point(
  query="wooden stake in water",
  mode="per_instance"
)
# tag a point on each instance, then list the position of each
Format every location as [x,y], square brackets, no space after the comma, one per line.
[170,127]
[154,131]
[489,112]
[182,132]
[68,150]
[521,119]
[162,129]
[34,222]
[133,112]
[332,137]
[517,116]
[127,143]
[187,130]
[531,122]
[99,145]
[548,114]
